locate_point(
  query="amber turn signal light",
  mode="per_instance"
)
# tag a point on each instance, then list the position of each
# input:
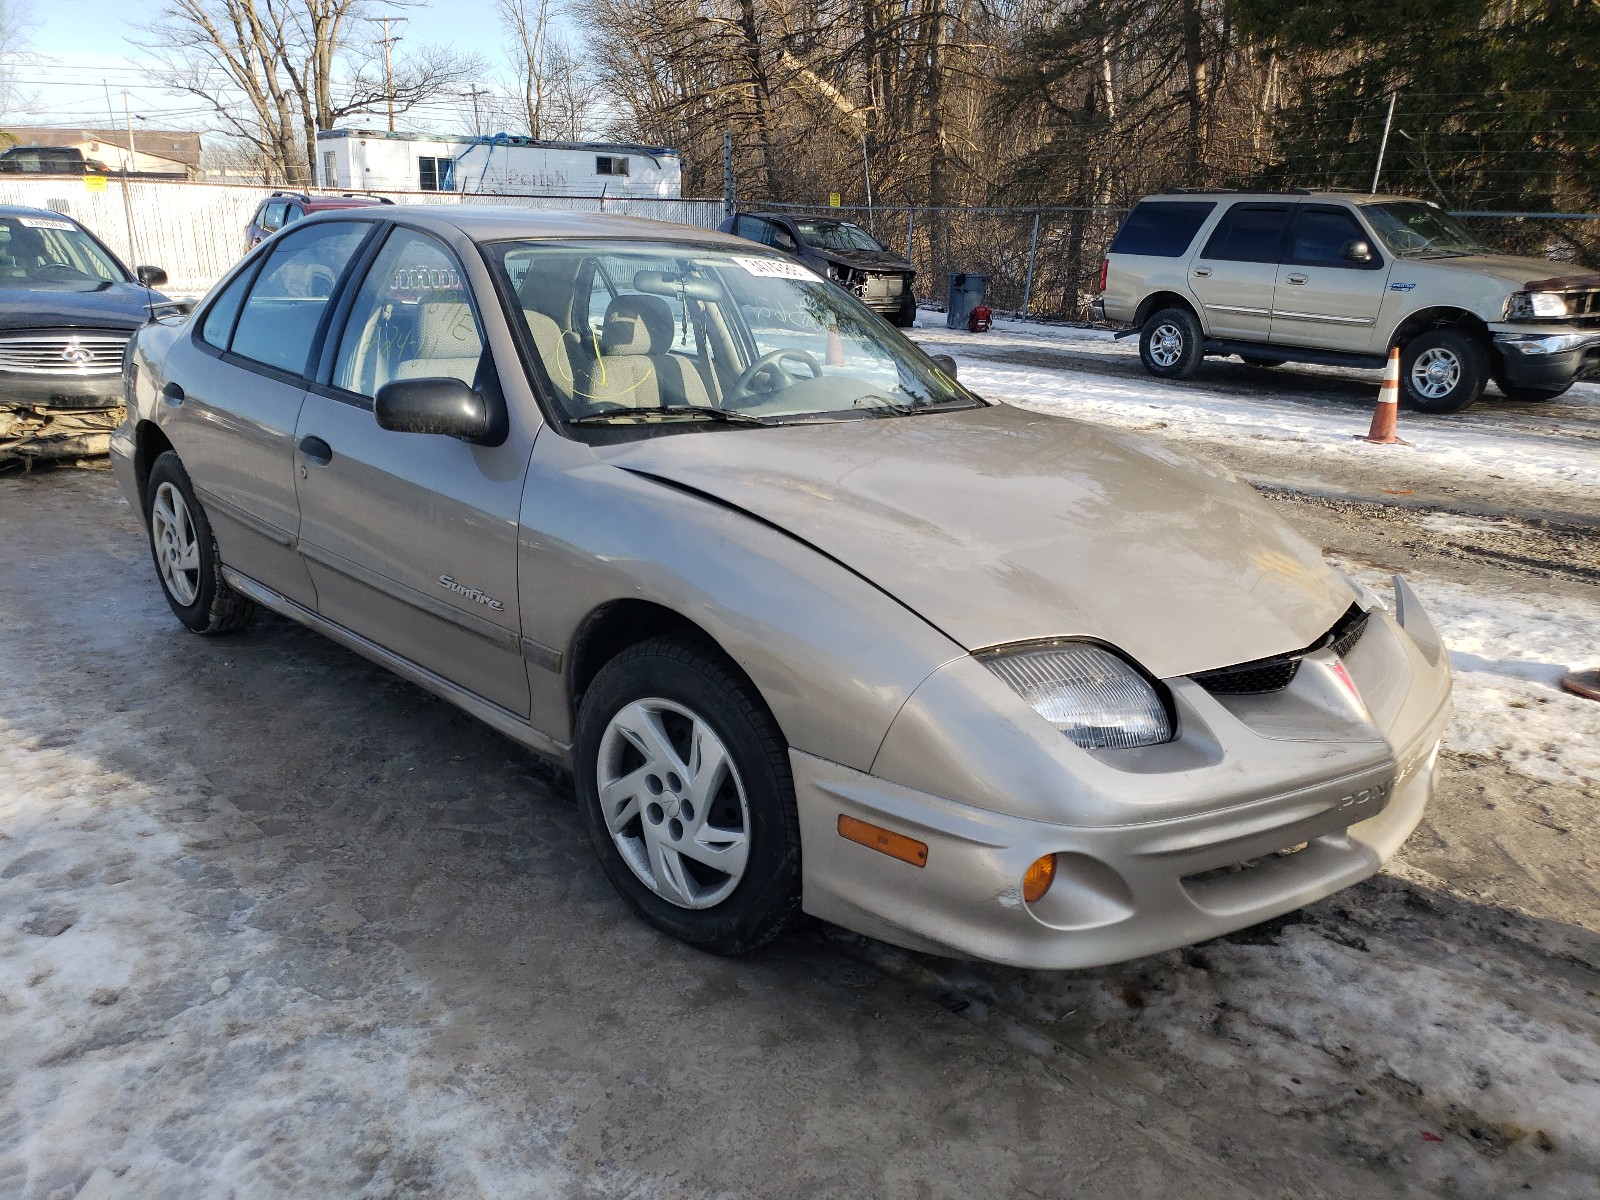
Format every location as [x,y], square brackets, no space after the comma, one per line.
[1039,877]
[884,841]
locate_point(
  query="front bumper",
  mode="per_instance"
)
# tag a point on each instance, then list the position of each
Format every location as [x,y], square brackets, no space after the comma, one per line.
[1125,889]
[1547,359]
[22,389]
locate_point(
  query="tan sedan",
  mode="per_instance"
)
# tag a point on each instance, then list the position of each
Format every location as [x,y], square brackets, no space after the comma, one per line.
[816,628]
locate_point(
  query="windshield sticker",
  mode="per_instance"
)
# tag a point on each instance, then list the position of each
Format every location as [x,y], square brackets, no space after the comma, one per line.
[45,223]
[774,268]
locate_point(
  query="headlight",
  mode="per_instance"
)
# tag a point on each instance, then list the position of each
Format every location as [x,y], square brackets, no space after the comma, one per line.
[1087,693]
[1525,305]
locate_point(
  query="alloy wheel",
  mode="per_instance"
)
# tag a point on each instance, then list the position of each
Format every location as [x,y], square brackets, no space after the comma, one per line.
[1166,344]
[176,544]
[673,802]
[1436,373]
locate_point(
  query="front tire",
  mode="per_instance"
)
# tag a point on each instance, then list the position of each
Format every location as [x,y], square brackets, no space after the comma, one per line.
[1169,344]
[185,553]
[684,785]
[1442,371]
[1530,395]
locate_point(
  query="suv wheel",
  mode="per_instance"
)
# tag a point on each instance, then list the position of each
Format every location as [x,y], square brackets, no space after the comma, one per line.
[1442,371]
[1169,344]
[684,786]
[1530,395]
[185,553]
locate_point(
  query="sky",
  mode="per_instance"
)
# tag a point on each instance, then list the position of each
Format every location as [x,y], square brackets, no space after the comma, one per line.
[80,46]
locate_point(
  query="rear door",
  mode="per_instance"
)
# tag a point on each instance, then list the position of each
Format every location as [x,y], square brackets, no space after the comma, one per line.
[412,538]
[1323,298]
[231,396]
[1236,270]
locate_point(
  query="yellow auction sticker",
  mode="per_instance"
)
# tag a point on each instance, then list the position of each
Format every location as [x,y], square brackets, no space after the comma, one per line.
[95,183]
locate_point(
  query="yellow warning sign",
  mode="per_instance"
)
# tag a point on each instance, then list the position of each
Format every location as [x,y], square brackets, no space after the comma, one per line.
[95,183]
[833,199]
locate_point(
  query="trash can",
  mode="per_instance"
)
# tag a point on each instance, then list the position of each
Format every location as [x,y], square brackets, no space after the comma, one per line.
[966,293]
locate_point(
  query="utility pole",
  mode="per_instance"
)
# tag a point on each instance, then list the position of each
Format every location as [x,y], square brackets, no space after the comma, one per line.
[866,170]
[127,199]
[477,125]
[388,60]
[727,173]
[1384,145]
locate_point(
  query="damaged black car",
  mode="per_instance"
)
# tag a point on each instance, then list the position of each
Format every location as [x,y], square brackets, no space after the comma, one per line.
[67,309]
[840,251]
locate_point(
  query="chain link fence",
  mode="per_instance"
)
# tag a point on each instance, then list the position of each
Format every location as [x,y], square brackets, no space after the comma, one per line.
[1045,262]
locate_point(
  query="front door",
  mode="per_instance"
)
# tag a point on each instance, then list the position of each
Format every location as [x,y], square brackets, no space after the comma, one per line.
[1323,297]
[412,538]
[1235,272]
[232,394]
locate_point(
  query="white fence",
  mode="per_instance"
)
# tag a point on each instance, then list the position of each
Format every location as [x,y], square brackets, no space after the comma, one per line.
[195,231]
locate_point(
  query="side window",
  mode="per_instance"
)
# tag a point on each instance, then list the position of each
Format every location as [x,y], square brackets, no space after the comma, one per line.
[749,227]
[1321,235]
[1162,228]
[292,212]
[1249,233]
[411,320]
[272,216]
[279,320]
[218,327]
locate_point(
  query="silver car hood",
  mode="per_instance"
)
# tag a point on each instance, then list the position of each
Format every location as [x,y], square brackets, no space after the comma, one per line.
[998,525]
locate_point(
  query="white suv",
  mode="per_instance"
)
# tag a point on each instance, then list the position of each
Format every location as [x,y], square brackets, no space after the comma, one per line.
[1340,278]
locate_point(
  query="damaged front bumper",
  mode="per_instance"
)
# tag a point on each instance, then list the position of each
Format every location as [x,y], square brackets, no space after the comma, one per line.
[58,416]
[1257,808]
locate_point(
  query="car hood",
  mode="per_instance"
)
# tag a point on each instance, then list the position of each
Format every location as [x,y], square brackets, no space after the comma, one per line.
[1518,274]
[997,525]
[109,306]
[864,260]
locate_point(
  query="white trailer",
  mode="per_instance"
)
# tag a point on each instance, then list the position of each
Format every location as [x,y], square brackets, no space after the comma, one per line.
[365,160]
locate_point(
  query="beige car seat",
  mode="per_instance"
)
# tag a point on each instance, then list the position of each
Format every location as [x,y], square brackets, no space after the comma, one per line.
[636,367]
[447,343]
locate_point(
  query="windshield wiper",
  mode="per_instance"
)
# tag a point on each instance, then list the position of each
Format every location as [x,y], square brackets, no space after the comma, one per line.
[722,416]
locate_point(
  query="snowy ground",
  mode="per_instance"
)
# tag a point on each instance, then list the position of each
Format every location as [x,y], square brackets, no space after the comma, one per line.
[273,923]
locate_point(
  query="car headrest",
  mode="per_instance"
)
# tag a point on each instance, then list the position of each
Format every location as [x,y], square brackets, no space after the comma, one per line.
[637,325]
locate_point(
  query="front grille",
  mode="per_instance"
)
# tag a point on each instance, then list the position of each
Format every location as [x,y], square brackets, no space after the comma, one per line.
[1276,673]
[72,354]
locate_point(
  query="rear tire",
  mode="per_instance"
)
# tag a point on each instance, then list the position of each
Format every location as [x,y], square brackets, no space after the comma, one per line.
[1169,344]
[1442,371]
[906,316]
[185,553]
[1530,395]
[684,786]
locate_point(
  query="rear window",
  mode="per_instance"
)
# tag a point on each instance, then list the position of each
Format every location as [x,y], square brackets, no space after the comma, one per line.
[1162,228]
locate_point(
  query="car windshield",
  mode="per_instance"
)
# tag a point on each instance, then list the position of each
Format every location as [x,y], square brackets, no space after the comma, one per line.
[836,235]
[52,251]
[1414,230]
[634,333]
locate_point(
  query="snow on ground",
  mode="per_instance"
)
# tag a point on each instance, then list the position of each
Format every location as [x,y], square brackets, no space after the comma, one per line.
[151,1026]
[1469,445]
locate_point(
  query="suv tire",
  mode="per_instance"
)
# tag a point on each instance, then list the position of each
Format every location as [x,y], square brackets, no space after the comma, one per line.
[1169,344]
[647,725]
[1442,371]
[185,553]
[1530,395]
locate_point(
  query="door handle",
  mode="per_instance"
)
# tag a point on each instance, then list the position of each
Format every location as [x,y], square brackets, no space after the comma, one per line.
[172,394]
[1297,278]
[316,450]
[1202,271]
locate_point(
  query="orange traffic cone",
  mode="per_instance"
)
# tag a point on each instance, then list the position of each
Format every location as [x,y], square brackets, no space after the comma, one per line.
[1384,416]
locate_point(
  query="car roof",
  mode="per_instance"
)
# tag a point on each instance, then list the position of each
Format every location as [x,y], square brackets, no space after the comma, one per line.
[19,210]
[494,223]
[1301,194]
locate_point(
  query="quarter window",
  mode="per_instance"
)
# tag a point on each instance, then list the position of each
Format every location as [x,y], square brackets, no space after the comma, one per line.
[411,320]
[218,327]
[1321,234]
[1249,233]
[272,216]
[1161,228]
[279,320]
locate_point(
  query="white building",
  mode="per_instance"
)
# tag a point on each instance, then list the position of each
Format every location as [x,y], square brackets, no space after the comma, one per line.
[365,160]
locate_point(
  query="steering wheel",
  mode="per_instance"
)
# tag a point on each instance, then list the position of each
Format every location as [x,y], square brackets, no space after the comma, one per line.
[58,271]
[770,366]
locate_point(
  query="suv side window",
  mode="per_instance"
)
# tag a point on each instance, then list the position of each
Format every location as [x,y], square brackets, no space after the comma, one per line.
[1161,228]
[280,317]
[412,319]
[271,218]
[1249,233]
[292,212]
[1321,234]
[751,227]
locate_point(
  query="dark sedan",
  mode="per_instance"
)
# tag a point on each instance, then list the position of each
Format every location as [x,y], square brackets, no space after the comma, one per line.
[840,251]
[67,308]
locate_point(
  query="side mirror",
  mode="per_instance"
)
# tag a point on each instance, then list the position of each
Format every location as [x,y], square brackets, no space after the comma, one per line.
[150,276]
[1356,251]
[945,363]
[783,240]
[445,406]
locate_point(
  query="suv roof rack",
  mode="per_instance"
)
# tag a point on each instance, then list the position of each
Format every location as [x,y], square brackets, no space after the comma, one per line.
[293,195]
[366,196]
[1234,191]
